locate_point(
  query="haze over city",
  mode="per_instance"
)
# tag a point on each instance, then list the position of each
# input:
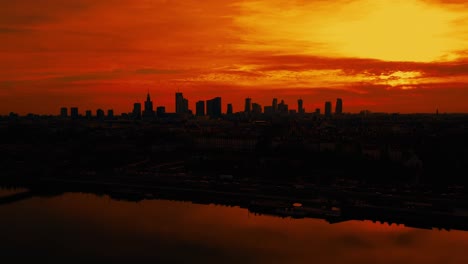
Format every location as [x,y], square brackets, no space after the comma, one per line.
[386,56]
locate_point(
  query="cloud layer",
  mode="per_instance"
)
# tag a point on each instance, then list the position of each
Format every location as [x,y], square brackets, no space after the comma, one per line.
[107,54]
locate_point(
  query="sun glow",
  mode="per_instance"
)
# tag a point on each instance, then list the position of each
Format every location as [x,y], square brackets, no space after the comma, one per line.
[388,30]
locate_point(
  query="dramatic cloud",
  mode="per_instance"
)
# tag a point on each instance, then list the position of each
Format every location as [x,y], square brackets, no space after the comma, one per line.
[373,54]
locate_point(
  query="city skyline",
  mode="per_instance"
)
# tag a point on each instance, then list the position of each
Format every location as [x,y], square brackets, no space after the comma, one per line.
[211,107]
[106,54]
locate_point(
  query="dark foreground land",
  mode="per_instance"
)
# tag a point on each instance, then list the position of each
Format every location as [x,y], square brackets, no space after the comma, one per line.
[391,168]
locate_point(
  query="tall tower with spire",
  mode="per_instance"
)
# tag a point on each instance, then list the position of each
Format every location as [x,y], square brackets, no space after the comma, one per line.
[148,112]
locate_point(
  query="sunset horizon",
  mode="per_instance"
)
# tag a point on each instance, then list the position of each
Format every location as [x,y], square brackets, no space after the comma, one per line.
[382,56]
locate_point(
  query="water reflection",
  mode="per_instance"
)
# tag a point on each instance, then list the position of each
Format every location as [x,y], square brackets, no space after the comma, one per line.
[84,227]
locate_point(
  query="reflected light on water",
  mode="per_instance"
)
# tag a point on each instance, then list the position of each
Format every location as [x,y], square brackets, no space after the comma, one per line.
[86,227]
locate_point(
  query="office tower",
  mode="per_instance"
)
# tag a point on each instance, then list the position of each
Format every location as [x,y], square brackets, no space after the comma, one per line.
[282,107]
[181,104]
[339,106]
[100,114]
[268,109]
[137,110]
[186,108]
[300,107]
[213,107]
[89,114]
[248,105]
[148,112]
[229,109]
[63,112]
[328,107]
[200,108]
[110,114]
[275,105]
[161,111]
[256,108]
[74,112]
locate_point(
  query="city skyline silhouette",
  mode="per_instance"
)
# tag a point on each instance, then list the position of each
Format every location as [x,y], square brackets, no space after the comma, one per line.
[57,54]
[234,131]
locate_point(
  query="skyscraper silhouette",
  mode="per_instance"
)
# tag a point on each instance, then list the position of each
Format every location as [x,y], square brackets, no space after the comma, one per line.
[248,105]
[229,109]
[74,112]
[148,112]
[213,107]
[110,113]
[275,105]
[181,103]
[328,108]
[200,108]
[300,108]
[339,106]
[256,108]
[63,112]
[137,110]
[100,114]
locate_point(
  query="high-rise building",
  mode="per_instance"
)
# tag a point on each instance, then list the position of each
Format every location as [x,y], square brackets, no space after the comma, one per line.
[148,112]
[74,112]
[161,111]
[283,108]
[186,108]
[63,112]
[200,108]
[213,107]
[229,109]
[100,114]
[268,109]
[137,110]
[300,107]
[110,113]
[181,104]
[339,106]
[328,108]
[89,114]
[275,105]
[256,108]
[248,105]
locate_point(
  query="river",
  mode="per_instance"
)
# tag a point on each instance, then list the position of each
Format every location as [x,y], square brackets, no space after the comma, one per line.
[83,228]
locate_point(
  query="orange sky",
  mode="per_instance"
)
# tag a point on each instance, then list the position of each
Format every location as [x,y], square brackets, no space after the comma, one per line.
[393,56]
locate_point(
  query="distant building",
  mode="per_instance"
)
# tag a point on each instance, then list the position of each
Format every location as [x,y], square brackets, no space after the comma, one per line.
[160,111]
[328,107]
[181,104]
[256,108]
[317,111]
[339,106]
[248,105]
[89,114]
[186,106]
[110,113]
[229,109]
[268,109]
[213,107]
[275,105]
[74,112]
[63,112]
[100,114]
[283,108]
[300,107]
[136,110]
[148,112]
[200,108]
